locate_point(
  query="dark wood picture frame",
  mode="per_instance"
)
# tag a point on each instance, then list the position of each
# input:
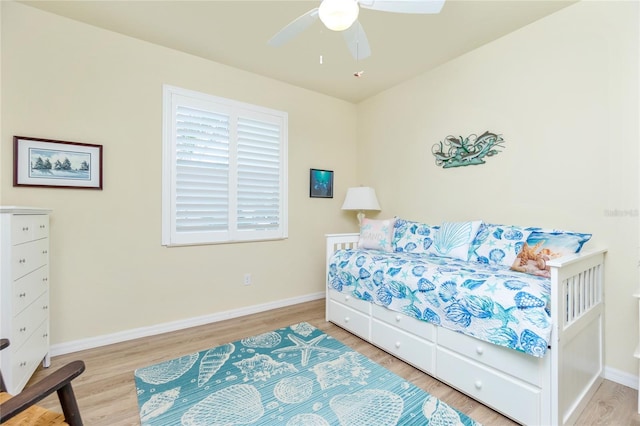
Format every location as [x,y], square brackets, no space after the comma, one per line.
[56,164]
[320,183]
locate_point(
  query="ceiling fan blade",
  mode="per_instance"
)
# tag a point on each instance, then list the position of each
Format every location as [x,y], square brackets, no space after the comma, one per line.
[294,28]
[403,6]
[357,41]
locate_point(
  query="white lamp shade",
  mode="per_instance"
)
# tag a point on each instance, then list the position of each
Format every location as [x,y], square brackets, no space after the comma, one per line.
[338,15]
[361,198]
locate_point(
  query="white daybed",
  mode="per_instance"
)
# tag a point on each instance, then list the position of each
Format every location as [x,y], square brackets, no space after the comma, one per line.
[551,390]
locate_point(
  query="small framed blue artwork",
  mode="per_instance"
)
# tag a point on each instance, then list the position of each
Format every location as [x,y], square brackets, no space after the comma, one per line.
[52,163]
[321,183]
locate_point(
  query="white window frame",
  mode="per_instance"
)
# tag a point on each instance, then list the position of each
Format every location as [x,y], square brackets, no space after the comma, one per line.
[172,98]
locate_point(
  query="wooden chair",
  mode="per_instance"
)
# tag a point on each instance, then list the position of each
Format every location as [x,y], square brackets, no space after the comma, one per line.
[20,409]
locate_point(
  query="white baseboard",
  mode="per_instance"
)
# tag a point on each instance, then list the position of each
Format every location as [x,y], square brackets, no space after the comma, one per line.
[136,333]
[621,377]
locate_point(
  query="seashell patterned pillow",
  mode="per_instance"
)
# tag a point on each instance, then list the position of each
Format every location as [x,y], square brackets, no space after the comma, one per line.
[454,239]
[412,237]
[498,244]
[546,244]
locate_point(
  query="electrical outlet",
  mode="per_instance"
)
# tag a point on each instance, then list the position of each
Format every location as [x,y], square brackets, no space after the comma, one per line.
[247,279]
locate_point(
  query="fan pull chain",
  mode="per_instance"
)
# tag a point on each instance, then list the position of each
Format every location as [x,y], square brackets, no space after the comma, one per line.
[357,74]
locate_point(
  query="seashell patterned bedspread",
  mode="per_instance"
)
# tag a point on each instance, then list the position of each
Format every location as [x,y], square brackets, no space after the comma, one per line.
[493,304]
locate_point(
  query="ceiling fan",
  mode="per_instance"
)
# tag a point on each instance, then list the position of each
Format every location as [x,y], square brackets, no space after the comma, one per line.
[342,15]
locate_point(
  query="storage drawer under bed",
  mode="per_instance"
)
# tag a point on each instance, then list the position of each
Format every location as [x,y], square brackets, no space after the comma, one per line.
[518,364]
[350,319]
[417,352]
[514,398]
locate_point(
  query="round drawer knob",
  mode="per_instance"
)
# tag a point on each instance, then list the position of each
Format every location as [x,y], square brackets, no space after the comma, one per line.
[397,345]
[347,298]
[479,350]
[398,318]
[347,319]
[478,384]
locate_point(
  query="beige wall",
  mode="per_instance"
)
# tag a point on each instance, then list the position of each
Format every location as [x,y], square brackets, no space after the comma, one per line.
[109,273]
[563,92]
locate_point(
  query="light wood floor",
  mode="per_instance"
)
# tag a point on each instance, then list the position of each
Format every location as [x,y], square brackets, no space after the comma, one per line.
[107,396]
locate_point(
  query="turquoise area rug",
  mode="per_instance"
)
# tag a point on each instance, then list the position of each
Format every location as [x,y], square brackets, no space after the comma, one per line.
[293,376]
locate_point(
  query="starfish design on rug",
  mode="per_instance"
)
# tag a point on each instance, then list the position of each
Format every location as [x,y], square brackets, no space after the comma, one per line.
[305,347]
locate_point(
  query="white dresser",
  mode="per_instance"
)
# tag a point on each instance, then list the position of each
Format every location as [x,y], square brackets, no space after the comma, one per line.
[24,293]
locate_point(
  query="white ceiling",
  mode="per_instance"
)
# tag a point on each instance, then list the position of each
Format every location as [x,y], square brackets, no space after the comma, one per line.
[236,32]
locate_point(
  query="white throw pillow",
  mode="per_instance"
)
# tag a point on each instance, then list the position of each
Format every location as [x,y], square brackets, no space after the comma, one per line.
[453,239]
[376,234]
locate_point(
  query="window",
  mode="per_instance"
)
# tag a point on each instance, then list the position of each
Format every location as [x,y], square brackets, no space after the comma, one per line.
[224,170]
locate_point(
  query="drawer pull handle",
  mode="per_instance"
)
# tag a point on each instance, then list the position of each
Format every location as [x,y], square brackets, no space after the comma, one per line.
[398,318]
[397,345]
[44,252]
[23,363]
[25,228]
[45,335]
[23,329]
[347,319]
[478,384]
[479,350]
[22,295]
[22,260]
[45,307]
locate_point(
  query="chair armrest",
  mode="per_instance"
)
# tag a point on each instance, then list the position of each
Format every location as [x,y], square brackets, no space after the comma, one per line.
[59,381]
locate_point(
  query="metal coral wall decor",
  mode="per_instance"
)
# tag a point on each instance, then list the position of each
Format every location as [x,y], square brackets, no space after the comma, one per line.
[456,152]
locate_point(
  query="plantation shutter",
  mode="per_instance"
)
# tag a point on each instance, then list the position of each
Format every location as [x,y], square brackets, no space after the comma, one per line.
[225,171]
[258,175]
[202,170]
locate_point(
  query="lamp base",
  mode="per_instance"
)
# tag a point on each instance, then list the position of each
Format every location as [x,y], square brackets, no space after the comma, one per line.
[360,216]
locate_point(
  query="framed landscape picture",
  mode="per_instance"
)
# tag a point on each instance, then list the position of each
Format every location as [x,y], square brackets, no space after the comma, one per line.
[52,163]
[321,183]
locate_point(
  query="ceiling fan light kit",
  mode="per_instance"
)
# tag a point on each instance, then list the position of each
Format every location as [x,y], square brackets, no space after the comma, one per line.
[342,15]
[338,15]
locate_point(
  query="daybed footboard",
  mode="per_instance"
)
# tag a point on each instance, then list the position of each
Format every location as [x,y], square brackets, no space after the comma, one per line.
[550,390]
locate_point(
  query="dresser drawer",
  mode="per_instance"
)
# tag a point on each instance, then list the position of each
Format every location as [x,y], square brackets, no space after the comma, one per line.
[490,386]
[421,329]
[349,319]
[351,301]
[517,364]
[29,288]
[27,321]
[28,257]
[405,346]
[29,227]
[25,360]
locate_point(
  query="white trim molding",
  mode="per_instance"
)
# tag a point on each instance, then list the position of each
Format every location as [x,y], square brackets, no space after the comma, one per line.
[136,333]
